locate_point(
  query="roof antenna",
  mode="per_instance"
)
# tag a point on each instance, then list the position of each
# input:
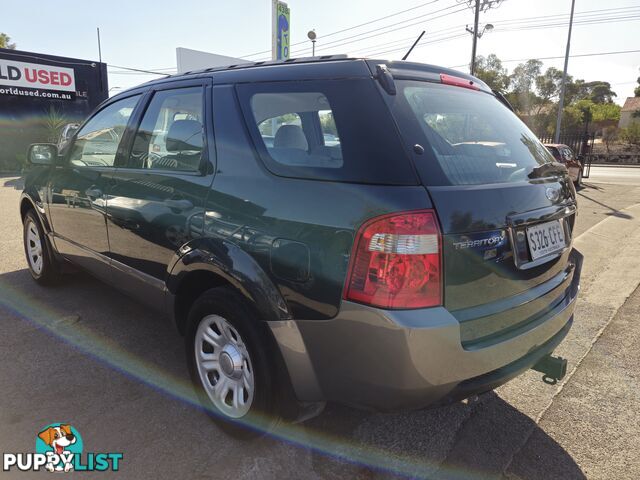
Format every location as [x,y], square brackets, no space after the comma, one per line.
[414,44]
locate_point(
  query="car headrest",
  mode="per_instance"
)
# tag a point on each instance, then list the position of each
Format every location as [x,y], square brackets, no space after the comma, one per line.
[290,136]
[184,135]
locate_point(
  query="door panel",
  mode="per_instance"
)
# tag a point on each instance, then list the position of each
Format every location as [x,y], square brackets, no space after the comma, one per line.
[156,201]
[78,189]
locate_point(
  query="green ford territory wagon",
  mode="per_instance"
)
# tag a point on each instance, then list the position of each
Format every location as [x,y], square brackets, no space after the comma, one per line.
[383,234]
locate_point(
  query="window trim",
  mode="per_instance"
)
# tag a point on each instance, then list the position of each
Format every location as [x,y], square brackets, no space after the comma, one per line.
[207,158]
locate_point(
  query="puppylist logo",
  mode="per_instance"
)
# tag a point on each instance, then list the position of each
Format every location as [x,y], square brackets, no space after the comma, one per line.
[59,448]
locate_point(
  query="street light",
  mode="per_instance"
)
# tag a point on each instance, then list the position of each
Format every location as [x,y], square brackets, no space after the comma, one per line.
[487,28]
[312,36]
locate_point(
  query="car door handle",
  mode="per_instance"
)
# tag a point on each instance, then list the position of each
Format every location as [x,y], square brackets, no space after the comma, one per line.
[93,193]
[178,204]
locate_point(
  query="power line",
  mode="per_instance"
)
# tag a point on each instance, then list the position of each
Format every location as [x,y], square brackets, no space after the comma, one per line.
[564,15]
[505,22]
[139,70]
[341,42]
[498,29]
[616,14]
[521,20]
[595,54]
[563,24]
[439,40]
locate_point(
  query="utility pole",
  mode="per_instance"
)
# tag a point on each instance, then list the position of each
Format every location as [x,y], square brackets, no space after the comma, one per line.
[99,60]
[564,77]
[480,5]
[475,37]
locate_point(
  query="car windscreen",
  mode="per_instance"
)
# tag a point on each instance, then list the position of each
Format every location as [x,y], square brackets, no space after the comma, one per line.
[471,138]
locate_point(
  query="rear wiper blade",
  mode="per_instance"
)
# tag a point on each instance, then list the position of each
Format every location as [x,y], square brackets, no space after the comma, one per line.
[547,169]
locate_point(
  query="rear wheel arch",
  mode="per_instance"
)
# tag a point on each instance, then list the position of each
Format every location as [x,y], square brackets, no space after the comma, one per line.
[26,204]
[188,289]
[208,263]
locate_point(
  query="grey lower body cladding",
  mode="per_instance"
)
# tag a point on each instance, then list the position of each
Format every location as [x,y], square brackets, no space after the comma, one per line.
[409,359]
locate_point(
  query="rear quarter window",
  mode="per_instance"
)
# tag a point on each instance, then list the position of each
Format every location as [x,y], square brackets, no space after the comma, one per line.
[339,130]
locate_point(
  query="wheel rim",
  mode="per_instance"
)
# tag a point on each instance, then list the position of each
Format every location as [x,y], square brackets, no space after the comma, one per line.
[224,366]
[34,248]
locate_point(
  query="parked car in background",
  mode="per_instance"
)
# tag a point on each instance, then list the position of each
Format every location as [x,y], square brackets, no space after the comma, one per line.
[565,155]
[421,255]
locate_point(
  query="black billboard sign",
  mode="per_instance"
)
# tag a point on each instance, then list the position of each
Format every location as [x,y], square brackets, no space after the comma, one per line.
[39,94]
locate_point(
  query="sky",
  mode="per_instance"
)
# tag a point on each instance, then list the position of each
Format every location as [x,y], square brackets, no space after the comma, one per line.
[144,34]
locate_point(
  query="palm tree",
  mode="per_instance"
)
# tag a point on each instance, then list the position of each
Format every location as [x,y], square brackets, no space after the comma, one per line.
[5,42]
[54,120]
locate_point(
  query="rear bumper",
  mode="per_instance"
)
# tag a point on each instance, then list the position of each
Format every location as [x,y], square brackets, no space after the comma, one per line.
[406,359]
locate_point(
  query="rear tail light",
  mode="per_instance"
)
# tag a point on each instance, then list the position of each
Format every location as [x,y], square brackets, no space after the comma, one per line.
[396,262]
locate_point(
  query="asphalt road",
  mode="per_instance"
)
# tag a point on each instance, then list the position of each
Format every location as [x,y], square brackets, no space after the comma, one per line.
[80,352]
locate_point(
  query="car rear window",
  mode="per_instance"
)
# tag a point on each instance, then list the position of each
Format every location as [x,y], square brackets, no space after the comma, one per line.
[339,130]
[474,138]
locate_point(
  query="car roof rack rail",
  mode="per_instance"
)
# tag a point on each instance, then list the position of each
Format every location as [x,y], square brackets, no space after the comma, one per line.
[249,64]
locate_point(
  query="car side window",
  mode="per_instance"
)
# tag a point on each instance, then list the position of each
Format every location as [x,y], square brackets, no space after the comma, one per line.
[171,135]
[279,117]
[96,143]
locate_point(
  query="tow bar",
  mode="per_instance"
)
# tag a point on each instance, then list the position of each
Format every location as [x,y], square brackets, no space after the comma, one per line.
[553,368]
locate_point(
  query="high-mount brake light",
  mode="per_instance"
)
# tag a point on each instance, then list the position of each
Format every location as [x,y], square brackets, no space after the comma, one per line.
[458,81]
[396,262]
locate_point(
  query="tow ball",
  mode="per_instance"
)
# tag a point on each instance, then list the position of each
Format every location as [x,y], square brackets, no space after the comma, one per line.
[553,368]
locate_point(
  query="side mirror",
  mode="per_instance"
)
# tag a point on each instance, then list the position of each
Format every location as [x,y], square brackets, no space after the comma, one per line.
[42,154]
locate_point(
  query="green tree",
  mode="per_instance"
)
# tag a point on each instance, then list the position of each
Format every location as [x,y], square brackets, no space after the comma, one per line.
[572,118]
[575,90]
[636,92]
[600,92]
[490,71]
[5,41]
[605,111]
[596,91]
[522,80]
[548,85]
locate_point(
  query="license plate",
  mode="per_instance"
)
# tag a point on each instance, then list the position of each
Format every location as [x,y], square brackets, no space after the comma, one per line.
[545,238]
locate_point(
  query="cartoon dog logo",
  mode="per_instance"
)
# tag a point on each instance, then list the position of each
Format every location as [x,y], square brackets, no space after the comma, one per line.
[58,438]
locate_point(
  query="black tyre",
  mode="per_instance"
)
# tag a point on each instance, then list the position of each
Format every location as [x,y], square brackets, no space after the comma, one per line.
[231,364]
[42,265]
